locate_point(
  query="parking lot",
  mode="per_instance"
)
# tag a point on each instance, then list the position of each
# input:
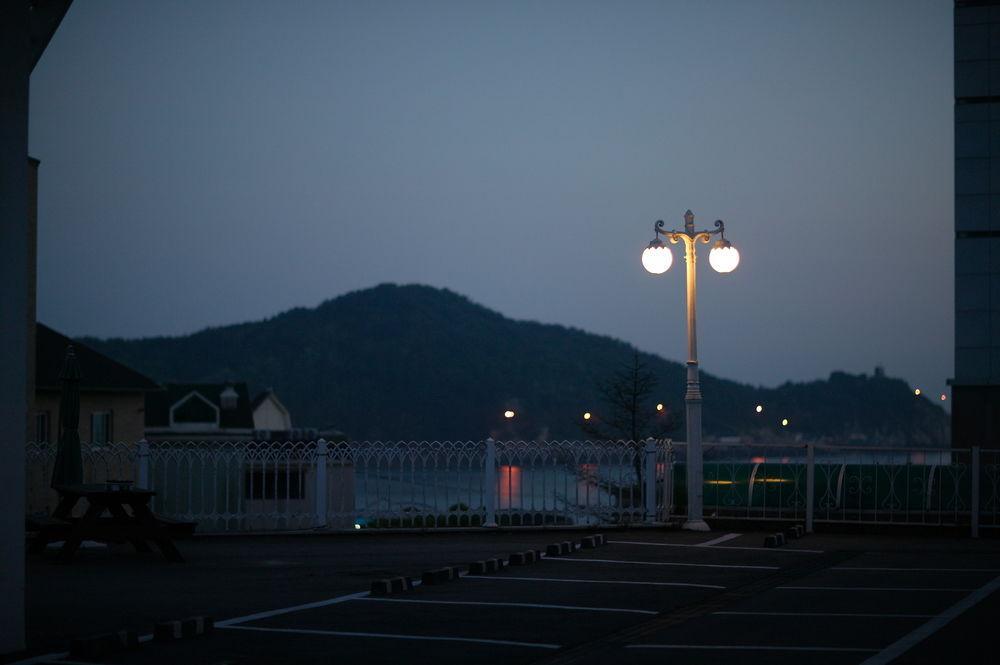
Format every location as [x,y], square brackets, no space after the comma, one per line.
[644,596]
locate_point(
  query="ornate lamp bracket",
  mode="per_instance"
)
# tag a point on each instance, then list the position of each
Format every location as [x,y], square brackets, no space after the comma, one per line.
[689,236]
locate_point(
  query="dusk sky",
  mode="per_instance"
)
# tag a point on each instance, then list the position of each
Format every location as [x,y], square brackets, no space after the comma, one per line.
[213,163]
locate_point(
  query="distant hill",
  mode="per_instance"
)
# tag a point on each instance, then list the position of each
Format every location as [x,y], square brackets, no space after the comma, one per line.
[415,362]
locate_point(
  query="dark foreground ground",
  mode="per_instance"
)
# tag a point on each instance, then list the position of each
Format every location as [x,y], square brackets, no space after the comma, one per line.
[648,596]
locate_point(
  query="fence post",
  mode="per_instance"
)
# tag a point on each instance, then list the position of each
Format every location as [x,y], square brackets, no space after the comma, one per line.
[322,455]
[974,508]
[649,470]
[668,481]
[490,483]
[810,485]
[143,481]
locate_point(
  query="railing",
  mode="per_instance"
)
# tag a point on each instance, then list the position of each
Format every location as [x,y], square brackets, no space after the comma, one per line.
[846,484]
[250,486]
[255,486]
[115,461]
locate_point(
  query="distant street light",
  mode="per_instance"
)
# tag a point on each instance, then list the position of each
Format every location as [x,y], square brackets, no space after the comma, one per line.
[723,258]
[943,397]
[784,422]
[508,414]
[917,392]
[760,408]
[659,407]
[586,416]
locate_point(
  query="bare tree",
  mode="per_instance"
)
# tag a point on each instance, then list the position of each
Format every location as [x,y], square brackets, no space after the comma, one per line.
[629,411]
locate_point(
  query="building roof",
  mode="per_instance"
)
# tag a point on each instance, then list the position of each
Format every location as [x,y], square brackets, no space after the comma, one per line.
[99,371]
[259,399]
[158,404]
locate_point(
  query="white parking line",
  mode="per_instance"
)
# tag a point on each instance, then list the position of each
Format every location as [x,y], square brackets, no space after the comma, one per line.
[393,636]
[828,614]
[720,539]
[921,570]
[663,563]
[285,610]
[507,578]
[865,588]
[908,641]
[776,550]
[744,647]
[501,604]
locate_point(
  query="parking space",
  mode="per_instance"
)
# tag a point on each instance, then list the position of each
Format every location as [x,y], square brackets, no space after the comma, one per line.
[692,598]
[871,608]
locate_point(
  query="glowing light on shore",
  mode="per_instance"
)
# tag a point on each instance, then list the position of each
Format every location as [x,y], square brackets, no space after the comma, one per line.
[784,422]
[659,407]
[760,408]
[508,414]
[586,416]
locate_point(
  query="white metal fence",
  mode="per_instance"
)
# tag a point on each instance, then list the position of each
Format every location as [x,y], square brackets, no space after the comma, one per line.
[847,484]
[256,486]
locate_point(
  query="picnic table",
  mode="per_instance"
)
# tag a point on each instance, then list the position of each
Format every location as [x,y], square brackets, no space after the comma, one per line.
[129,519]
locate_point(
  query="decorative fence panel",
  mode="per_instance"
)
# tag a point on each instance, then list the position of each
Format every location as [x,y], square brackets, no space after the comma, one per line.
[267,486]
[989,489]
[413,484]
[246,486]
[114,461]
[846,484]
[570,482]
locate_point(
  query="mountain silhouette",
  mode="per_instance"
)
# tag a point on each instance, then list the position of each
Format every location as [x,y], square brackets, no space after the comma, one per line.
[414,362]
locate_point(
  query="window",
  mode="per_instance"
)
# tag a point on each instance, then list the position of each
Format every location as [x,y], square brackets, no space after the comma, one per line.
[193,411]
[275,483]
[100,428]
[42,427]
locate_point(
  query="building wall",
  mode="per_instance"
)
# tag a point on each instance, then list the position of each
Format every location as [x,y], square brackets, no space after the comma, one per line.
[32,277]
[976,385]
[268,416]
[14,53]
[128,413]
[127,427]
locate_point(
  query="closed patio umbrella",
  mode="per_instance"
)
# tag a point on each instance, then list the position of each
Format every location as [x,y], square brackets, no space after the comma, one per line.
[69,466]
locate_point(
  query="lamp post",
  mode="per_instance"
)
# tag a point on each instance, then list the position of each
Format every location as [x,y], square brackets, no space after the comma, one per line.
[723,258]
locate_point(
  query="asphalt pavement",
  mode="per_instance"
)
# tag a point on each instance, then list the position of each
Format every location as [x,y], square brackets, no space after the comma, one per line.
[644,596]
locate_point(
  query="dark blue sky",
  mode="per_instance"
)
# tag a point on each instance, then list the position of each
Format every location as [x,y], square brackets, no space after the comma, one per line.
[209,163]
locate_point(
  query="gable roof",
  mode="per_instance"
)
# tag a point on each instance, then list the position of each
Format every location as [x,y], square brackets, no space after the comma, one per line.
[158,403]
[259,399]
[266,395]
[99,371]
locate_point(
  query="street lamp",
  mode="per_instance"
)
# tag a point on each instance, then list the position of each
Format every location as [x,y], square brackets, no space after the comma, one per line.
[657,259]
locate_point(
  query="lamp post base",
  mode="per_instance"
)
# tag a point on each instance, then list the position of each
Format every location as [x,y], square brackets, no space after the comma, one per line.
[695,525]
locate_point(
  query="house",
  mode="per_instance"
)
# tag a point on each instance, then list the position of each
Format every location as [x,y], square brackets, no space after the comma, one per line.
[269,413]
[200,412]
[112,395]
[112,411]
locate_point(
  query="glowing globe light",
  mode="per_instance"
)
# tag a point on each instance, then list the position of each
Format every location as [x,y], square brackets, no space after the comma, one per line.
[724,257]
[657,258]
[759,408]
[784,422]
[917,392]
[586,416]
[508,414]
[943,397]
[659,407]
